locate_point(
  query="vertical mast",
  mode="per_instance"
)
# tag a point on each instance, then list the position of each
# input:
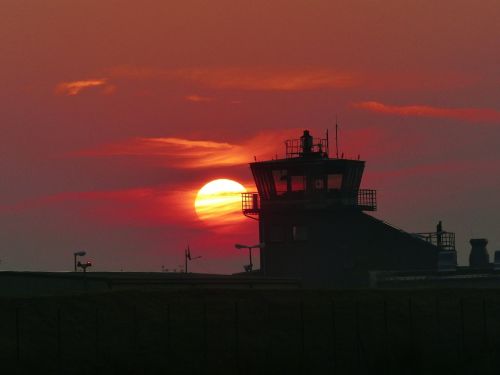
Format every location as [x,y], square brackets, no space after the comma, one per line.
[327,144]
[336,137]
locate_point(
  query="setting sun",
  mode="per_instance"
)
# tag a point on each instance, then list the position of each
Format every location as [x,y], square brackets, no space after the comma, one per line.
[219,201]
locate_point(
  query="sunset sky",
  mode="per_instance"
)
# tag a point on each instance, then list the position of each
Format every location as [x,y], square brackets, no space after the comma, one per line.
[114,114]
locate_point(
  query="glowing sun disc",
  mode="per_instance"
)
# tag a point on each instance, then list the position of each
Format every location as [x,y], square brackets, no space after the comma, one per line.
[219,201]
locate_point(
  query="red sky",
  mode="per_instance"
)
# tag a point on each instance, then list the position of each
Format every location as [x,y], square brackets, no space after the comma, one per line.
[113,113]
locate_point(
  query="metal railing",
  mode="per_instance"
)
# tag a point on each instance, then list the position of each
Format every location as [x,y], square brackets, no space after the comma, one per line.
[294,147]
[367,199]
[250,204]
[443,240]
[364,199]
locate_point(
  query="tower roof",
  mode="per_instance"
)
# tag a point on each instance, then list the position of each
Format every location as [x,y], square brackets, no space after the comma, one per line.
[308,176]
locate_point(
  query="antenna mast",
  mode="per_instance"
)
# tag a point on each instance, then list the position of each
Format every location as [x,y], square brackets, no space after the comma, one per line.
[336,137]
[188,257]
[327,144]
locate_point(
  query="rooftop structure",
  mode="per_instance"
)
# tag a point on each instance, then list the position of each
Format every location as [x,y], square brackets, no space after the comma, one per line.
[308,177]
[312,217]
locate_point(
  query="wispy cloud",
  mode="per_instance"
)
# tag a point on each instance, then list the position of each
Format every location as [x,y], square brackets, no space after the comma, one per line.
[477,115]
[188,153]
[246,78]
[266,79]
[75,87]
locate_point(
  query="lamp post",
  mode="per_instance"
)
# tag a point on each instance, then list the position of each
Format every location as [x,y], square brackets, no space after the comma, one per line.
[238,246]
[78,254]
[84,266]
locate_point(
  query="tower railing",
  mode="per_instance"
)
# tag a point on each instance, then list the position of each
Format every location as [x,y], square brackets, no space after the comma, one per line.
[367,199]
[363,199]
[250,204]
[294,149]
[443,240]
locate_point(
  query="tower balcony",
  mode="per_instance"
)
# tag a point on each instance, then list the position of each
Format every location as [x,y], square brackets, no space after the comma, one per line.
[295,148]
[443,240]
[362,199]
[367,199]
[250,205]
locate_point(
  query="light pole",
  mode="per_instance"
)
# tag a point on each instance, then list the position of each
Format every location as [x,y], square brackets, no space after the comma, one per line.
[78,254]
[238,246]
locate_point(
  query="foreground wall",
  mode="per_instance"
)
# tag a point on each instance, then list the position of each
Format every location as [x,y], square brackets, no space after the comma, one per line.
[253,332]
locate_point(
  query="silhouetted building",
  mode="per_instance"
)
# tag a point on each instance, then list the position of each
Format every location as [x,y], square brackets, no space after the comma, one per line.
[312,219]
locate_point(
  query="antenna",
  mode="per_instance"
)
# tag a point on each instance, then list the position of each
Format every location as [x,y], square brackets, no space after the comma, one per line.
[187,256]
[327,143]
[336,137]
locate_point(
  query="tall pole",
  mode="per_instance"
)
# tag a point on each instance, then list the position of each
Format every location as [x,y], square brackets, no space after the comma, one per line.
[75,255]
[250,252]
[336,137]
[188,257]
[327,143]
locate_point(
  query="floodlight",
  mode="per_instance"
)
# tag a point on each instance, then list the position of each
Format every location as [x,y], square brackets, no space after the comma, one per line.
[75,255]
[84,266]
[248,267]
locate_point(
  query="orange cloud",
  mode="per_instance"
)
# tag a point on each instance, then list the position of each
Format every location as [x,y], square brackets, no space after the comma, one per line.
[74,87]
[247,79]
[268,79]
[465,114]
[187,153]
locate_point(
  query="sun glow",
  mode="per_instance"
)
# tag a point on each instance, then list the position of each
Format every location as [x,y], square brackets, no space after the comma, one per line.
[219,202]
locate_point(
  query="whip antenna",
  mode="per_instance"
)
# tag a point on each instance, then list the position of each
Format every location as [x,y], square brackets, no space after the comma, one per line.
[336,137]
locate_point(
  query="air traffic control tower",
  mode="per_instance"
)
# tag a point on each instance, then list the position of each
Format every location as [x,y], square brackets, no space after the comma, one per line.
[313,221]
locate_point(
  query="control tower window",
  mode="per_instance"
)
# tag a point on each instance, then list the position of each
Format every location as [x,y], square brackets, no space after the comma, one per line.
[280,181]
[298,183]
[299,233]
[334,181]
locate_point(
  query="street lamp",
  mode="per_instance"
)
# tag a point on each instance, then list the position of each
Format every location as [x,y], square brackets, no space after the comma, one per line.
[238,246]
[78,254]
[84,266]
